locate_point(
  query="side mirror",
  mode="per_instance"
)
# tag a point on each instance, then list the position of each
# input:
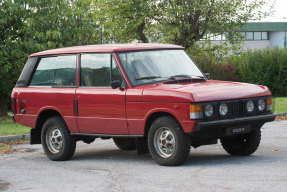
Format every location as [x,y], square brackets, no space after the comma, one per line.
[207,75]
[115,84]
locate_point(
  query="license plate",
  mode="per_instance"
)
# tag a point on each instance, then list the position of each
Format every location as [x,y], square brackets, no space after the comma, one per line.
[238,130]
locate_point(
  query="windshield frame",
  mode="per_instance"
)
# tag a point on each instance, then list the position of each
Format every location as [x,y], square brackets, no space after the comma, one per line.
[155,81]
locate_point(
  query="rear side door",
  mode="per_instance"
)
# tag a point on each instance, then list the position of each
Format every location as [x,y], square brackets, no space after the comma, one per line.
[100,109]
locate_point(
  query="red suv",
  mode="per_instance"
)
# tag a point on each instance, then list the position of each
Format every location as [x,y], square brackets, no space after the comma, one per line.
[147,97]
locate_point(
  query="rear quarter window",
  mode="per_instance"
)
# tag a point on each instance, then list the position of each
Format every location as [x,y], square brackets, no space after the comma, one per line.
[56,71]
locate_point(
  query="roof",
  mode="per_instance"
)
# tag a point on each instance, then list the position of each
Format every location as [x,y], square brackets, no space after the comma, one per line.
[101,48]
[264,26]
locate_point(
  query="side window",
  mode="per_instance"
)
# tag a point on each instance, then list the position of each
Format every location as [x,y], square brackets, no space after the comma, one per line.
[56,71]
[96,70]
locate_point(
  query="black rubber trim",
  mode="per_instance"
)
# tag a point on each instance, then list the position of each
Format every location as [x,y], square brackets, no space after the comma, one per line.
[64,86]
[27,72]
[261,118]
[105,135]
[77,108]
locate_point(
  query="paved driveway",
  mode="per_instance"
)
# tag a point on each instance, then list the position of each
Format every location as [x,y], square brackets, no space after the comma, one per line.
[100,166]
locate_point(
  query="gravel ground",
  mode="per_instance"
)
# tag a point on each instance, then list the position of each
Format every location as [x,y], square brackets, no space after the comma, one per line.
[100,166]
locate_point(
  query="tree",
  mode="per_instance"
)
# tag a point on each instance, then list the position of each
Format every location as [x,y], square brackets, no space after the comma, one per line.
[11,53]
[128,20]
[181,22]
[187,21]
[29,26]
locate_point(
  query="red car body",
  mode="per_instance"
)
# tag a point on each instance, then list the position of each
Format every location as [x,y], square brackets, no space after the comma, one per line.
[122,112]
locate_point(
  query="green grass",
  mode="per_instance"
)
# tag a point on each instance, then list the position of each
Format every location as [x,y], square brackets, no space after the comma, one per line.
[280,105]
[8,127]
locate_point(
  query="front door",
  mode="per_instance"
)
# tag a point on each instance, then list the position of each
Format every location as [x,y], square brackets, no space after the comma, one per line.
[101,109]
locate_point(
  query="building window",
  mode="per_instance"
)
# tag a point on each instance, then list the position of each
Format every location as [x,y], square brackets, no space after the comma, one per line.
[214,37]
[257,36]
[264,35]
[249,36]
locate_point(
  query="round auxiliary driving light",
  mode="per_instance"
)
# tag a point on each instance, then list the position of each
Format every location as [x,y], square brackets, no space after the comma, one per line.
[261,104]
[208,110]
[223,109]
[250,106]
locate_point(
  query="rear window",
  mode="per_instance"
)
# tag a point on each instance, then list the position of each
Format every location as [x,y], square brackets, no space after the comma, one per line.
[56,71]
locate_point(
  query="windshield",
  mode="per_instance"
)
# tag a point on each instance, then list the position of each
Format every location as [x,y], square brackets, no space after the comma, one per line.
[144,67]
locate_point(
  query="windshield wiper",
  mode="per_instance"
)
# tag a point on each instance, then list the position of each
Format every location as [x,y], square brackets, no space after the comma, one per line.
[202,77]
[148,77]
[182,75]
[185,76]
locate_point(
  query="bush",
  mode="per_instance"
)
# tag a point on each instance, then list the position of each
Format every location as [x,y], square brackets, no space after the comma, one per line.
[209,62]
[264,67]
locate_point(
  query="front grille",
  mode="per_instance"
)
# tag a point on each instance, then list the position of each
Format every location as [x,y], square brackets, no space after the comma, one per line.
[236,108]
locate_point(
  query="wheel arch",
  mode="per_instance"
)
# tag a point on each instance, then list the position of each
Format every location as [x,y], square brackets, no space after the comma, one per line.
[151,117]
[44,115]
[35,135]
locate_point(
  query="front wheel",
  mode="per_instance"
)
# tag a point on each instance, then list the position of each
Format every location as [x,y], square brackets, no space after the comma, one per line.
[57,142]
[167,143]
[242,145]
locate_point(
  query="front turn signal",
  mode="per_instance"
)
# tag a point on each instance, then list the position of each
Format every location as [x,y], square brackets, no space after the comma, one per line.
[269,104]
[196,112]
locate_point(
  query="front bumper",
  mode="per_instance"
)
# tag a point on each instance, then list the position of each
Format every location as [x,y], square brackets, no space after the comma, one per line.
[219,128]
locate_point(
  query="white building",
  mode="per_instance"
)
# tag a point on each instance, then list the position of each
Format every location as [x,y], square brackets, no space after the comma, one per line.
[260,35]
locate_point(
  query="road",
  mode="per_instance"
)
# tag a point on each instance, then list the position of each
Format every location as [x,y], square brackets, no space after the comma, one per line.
[100,166]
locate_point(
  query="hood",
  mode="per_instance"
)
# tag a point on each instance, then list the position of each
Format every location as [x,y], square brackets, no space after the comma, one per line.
[202,91]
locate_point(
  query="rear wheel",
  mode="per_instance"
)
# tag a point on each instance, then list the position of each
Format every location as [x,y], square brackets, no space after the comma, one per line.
[242,145]
[125,143]
[57,142]
[168,144]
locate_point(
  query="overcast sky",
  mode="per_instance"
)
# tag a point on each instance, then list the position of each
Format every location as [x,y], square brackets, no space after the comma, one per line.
[280,12]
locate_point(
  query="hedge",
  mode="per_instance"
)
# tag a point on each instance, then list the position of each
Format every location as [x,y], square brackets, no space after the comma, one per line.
[266,67]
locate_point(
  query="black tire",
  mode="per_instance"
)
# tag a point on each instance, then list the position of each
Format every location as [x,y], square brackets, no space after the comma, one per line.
[54,131]
[125,144]
[242,145]
[176,143]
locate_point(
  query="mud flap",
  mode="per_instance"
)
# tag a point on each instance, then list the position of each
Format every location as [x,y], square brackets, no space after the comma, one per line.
[35,136]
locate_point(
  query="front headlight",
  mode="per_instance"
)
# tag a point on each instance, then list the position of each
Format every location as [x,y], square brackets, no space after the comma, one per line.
[223,109]
[261,104]
[250,106]
[208,110]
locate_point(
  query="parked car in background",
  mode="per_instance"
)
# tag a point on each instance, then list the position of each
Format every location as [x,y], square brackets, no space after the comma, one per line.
[149,97]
